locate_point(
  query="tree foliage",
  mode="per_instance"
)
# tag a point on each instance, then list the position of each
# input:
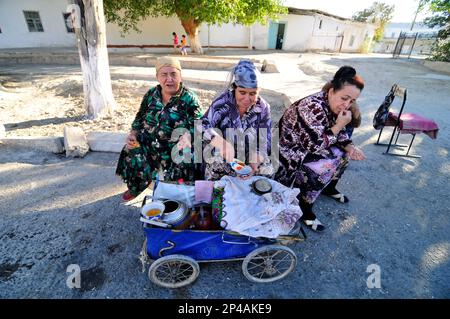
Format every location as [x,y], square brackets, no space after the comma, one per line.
[379,13]
[128,13]
[440,18]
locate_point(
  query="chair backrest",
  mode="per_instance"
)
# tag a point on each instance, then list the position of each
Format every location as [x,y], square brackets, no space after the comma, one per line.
[399,91]
[381,116]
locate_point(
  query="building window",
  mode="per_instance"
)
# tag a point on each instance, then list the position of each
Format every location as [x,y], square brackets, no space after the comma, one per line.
[393,35]
[352,40]
[320,24]
[68,22]
[337,28]
[33,21]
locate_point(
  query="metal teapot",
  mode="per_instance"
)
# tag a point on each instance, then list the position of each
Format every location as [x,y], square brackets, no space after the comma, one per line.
[175,213]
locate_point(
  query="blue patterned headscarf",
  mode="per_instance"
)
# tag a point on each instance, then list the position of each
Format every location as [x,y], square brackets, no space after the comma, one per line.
[245,74]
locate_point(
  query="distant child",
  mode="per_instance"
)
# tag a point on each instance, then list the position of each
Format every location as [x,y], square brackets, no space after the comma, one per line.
[183,45]
[175,42]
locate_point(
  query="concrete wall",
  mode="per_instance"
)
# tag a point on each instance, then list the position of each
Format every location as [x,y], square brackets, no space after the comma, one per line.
[325,35]
[154,31]
[360,32]
[421,46]
[298,32]
[329,36]
[443,67]
[227,35]
[387,45]
[306,32]
[260,36]
[302,32]
[393,30]
[158,32]
[14,28]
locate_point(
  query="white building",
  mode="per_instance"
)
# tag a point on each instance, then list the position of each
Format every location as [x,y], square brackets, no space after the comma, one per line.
[317,30]
[28,23]
[31,23]
[419,40]
[393,30]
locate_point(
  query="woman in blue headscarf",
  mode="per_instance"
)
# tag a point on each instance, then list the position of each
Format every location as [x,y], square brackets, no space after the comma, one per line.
[238,117]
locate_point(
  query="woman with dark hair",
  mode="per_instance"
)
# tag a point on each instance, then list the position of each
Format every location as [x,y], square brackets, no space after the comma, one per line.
[314,146]
[355,122]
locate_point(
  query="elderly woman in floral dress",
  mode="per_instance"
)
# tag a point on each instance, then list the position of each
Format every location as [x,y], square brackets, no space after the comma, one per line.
[164,108]
[238,116]
[314,146]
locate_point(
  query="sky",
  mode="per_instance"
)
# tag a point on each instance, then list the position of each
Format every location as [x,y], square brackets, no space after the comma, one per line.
[404,9]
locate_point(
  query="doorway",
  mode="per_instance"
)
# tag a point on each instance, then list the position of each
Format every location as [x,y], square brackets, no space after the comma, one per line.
[276,35]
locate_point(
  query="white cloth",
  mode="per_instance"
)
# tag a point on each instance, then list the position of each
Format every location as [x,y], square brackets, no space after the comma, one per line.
[250,214]
[183,193]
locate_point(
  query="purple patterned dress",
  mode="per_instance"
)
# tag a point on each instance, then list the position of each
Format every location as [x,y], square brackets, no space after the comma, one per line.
[310,154]
[223,116]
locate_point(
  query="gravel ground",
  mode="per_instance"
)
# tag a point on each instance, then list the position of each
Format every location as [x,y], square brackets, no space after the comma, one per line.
[57,211]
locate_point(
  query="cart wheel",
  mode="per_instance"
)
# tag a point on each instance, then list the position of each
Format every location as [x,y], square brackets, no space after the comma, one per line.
[269,263]
[143,256]
[173,271]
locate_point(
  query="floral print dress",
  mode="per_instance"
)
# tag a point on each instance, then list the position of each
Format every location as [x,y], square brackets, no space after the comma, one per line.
[154,124]
[310,154]
[224,116]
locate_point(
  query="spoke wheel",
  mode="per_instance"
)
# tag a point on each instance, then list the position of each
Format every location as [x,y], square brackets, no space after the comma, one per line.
[173,271]
[269,263]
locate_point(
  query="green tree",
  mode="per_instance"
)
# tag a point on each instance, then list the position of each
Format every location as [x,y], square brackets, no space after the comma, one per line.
[192,13]
[440,18]
[379,13]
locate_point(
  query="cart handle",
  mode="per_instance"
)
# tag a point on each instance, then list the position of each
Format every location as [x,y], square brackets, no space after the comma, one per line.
[162,250]
[145,199]
[228,241]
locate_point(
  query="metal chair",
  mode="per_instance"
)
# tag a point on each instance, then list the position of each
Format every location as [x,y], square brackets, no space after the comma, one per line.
[404,123]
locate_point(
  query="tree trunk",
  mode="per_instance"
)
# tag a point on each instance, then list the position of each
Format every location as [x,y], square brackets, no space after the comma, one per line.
[90,30]
[191,27]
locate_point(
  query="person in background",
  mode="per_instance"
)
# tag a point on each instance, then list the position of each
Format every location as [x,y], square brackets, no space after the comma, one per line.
[183,45]
[164,108]
[175,42]
[314,146]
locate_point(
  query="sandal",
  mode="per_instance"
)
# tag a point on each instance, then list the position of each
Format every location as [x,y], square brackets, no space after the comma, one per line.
[339,197]
[315,224]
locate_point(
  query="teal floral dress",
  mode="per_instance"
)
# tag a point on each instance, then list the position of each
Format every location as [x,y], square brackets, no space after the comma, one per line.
[154,124]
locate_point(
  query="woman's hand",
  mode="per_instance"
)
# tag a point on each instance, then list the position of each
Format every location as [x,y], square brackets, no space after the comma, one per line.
[354,153]
[131,141]
[184,141]
[255,166]
[254,171]
[225,148]
[344,118]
